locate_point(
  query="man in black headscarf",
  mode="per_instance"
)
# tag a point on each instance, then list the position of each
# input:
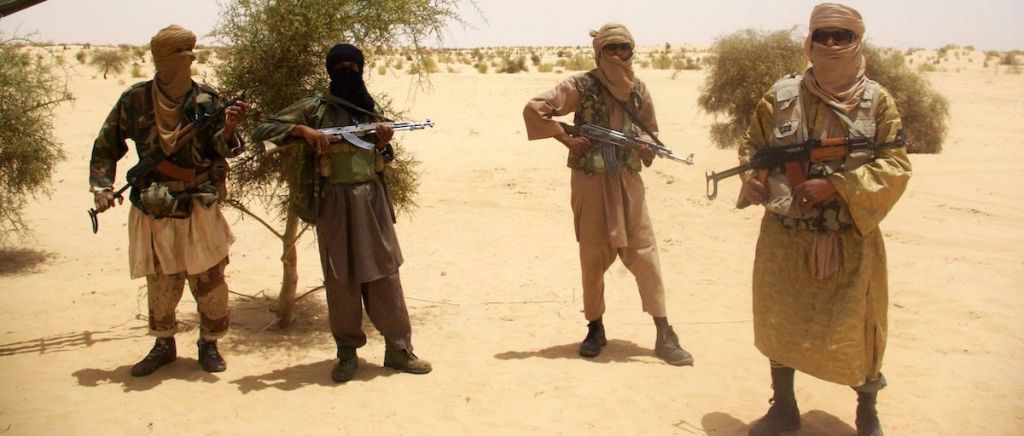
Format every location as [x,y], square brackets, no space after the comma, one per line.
[359,250]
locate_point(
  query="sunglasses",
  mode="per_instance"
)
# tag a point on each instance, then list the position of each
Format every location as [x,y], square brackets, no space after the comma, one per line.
[625,46]
[841,36]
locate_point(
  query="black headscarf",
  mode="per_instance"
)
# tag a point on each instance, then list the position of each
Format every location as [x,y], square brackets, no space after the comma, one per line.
[345,83]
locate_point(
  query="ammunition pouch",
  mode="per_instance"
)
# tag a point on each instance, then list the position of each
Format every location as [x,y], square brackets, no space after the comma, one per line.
[173,199]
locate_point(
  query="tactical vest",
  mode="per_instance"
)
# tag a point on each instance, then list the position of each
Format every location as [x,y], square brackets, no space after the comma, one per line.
[344,163]
[791,127]
[594,109]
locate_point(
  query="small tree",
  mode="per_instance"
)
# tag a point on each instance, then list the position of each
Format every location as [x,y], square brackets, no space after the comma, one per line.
[742,66]
[109,61]
[276,71]
[30,89]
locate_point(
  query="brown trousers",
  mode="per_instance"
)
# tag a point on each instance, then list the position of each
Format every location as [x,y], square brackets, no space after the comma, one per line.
[643,262]
[211,294]
[385,306]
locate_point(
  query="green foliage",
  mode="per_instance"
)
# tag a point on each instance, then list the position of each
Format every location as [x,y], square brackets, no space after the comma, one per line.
[545,68]
[140,53]
[927,68]
[277,71]
[742,66]
[30,90]
[137,70]
[80,56]
[535,58]
[925,113]
[425,64]
[109,61]
[481,67]
[512,66]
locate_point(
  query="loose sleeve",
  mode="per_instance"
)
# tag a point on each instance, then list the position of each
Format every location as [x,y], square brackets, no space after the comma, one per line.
[563,99]
[109,146]
[872,189]
[276,128]
[756,137]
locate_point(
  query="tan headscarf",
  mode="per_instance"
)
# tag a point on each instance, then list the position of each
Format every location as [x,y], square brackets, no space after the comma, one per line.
[836,74]
[614,73]
[172,55]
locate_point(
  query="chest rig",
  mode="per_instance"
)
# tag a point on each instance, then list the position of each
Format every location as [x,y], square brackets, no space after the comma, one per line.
[595,108]
[344,163]
[793,124]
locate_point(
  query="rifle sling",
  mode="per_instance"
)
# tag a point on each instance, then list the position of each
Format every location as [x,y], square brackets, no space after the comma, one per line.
[629,113]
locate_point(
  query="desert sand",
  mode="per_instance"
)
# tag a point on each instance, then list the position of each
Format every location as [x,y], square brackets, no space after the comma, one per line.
[492,281]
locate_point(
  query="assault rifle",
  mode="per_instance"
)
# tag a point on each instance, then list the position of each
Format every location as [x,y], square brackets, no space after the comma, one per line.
[793,156]
[156,160]
[352,133]
[600,134]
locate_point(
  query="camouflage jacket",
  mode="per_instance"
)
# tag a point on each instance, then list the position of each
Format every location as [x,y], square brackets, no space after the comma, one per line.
[133,118]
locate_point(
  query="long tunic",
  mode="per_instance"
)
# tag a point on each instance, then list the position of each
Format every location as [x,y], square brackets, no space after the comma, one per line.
[607,208]
[191,245]
[834,329]
[355,234]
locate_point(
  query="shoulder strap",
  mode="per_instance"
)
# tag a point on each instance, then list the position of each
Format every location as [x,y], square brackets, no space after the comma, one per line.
[349,105]
[630,113]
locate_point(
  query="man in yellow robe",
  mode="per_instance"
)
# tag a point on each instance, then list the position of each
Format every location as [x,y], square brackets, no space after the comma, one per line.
[820,291]
[608,203]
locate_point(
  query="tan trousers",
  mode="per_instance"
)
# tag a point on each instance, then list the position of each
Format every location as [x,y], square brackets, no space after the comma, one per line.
[211,294]
[643,262]
[385,306]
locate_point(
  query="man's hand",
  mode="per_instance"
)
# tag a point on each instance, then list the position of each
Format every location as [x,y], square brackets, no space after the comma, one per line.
[754,191]
[578,144]
[317,139]
[813,191]
[646,154]
[384,134]
[233,116]
[104,198]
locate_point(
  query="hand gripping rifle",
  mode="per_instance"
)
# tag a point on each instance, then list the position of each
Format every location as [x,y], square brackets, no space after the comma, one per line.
[157,160]
[352,133]
[792,158]
[600,134]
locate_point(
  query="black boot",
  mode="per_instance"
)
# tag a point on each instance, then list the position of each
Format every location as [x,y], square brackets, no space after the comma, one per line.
[867,416]
[209,357]
[345,369]
[666,345]
[163,352]
[784,415]
[591,346]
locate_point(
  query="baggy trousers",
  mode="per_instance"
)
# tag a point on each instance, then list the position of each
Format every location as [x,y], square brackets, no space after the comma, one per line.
[643,262]
[211,294]
[385,305]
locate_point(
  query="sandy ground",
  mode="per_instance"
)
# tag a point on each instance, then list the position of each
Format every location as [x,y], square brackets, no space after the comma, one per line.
[492,281]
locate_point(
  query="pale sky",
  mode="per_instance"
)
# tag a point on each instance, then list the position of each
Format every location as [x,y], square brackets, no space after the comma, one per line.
[986,24]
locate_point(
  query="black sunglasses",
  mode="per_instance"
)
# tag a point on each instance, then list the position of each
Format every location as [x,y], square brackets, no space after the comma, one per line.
[841,36]
[620,46]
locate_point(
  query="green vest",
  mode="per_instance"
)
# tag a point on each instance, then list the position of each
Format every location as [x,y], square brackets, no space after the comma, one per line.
[594,109]
[346,164]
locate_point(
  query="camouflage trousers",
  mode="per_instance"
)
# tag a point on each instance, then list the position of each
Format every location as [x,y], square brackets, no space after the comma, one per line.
[643,262]
[208,288]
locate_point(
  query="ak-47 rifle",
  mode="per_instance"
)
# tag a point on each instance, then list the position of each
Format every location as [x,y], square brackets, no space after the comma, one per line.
[600,134]
[157,160]
[352,133]
[792,157]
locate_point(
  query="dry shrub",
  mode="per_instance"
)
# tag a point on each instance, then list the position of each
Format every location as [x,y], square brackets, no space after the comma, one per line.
[580,62]
[109,61]
[741,67]
[924,111]
[30,90]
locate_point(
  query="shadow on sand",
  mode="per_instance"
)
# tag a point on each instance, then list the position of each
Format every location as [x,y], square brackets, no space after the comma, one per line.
[812,423]
[14,261]
[181,369]
[298,376]
[617,350]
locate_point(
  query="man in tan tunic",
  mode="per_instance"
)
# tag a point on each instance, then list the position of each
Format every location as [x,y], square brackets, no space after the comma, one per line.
[608,203]
[175,227]
[820,291]
[359,249]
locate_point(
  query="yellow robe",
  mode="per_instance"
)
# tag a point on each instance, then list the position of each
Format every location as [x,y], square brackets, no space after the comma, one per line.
[833,329]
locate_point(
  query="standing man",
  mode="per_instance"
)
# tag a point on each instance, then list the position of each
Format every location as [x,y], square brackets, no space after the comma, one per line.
[820,291]
[359,250]
[175,225]
[608,203]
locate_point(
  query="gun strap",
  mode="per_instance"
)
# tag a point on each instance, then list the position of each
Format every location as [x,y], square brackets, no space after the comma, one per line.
[349,105]
[629,113]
